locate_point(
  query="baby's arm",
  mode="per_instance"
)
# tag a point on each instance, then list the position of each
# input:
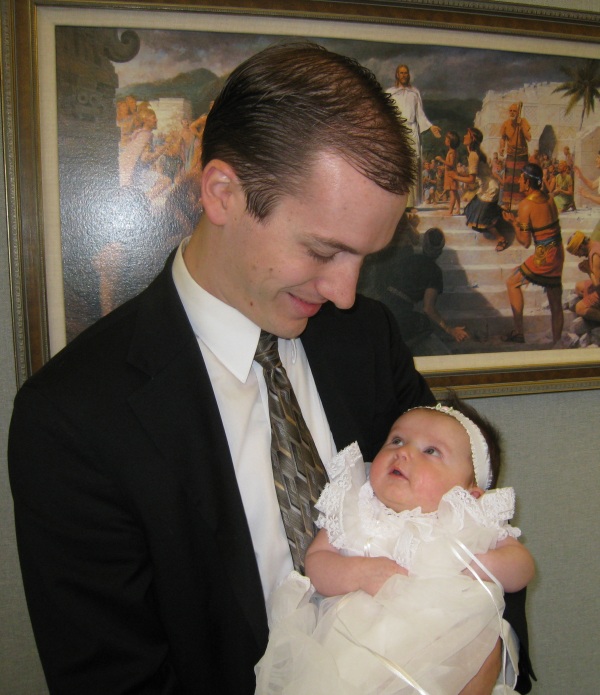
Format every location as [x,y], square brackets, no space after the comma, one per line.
[510,562]
[333,574]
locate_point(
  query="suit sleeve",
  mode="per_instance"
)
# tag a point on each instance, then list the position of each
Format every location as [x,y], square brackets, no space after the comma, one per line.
[410,385]
[85,566]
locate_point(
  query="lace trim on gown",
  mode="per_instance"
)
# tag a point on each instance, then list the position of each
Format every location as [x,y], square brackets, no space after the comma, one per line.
[359,524]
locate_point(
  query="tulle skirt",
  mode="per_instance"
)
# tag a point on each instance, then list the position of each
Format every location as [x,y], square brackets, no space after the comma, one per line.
[434,632]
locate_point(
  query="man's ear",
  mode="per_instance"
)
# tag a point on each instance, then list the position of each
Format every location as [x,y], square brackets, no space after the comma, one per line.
[220,191]
[476,492]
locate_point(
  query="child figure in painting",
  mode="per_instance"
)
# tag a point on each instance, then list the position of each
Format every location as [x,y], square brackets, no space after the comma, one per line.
[452,141]
[429,626]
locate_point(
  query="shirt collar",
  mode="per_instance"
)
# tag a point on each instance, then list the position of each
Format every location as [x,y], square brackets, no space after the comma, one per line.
[226,332]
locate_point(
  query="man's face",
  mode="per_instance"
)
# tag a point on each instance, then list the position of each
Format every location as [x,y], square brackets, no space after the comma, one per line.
[523,184]
[403,75]
[150,120]
[309,250]
[513,113]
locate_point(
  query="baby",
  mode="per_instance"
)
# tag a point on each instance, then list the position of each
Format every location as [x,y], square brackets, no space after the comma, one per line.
[414,560]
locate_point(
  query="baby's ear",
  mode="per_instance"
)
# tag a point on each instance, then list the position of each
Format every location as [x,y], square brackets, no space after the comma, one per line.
[477,492]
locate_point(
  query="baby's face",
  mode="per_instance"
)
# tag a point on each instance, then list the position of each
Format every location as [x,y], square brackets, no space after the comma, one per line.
[426,454]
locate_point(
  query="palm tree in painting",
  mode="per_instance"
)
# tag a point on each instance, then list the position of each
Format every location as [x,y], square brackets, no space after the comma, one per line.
[584,86]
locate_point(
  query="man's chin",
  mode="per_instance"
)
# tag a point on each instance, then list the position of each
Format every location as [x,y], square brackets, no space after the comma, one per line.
[289,329]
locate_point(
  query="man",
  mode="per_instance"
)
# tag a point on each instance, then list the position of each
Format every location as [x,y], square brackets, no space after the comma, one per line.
[593,185]
[515,133]
[588,306]
[148,525]
[537,221]
[409,103]
[563,188]
[591,192]
[139,156]
[418,278]
[428,183]
[401,279]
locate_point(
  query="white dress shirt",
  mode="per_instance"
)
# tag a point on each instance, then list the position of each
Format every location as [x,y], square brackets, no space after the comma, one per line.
[228,341]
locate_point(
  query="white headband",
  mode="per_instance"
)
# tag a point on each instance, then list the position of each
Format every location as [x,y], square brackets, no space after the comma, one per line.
[479,447]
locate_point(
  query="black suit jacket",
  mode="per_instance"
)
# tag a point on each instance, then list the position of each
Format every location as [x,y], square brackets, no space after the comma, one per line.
[136,556]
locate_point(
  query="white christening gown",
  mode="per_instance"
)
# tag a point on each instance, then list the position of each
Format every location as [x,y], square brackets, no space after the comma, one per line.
[427,633]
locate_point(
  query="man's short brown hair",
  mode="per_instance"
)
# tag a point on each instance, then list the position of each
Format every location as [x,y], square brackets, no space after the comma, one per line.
[290,103]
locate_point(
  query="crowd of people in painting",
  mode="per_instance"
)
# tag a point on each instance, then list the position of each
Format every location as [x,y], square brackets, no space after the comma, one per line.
[444,178]
[512,196]
[156,163]
[159,177]
[558,179]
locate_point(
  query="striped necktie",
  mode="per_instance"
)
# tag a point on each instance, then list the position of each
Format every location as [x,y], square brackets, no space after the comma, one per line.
[297,468]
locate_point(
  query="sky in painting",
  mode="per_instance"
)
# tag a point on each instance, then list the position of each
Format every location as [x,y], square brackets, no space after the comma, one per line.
[440,72]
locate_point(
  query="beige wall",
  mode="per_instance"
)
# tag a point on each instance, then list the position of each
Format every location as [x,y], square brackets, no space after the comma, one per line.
[20,671]
[552,452]
[552,446]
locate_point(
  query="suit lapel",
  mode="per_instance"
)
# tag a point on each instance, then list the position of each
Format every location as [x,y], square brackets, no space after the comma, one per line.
[318,345]
[177,408]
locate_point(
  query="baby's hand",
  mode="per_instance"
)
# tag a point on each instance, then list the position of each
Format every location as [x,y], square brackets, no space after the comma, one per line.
[376,571]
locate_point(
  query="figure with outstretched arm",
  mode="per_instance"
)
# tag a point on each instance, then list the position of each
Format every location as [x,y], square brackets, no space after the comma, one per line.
[410,104]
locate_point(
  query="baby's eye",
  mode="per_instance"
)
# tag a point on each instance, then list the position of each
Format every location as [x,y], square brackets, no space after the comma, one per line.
[397,441]
[431,450]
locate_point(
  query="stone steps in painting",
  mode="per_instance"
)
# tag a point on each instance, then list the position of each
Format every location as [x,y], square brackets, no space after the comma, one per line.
[474,283]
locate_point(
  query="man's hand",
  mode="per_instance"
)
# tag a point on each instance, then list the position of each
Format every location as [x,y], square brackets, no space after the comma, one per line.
[508,216]
[459,333]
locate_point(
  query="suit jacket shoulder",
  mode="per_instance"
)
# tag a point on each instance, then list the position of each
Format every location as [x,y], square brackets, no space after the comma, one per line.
[364,372]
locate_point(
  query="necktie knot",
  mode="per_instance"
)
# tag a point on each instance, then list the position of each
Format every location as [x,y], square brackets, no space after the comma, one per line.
[267,353]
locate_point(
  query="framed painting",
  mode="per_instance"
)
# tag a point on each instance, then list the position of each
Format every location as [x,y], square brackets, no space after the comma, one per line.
[103,107]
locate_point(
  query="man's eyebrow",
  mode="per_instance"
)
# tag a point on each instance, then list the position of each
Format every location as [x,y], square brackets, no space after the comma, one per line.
[333,244]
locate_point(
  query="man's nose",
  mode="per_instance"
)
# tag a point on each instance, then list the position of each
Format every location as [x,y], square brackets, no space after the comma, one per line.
[339,285]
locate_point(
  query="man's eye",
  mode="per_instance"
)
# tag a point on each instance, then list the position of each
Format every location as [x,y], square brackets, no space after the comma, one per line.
[319,257]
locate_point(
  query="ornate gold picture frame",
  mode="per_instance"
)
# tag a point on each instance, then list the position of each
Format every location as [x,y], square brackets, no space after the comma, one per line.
[34,141]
